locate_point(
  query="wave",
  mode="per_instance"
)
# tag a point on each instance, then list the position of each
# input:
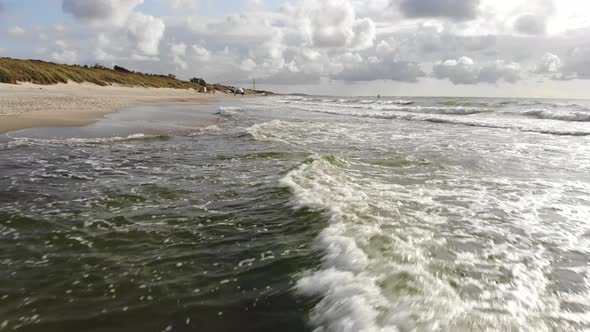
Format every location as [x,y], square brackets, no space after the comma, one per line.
[24,141]
[379,270]
[482,124]
[356,281]
[561,115]
[266,131]
[229,112]
[367,101]
[350,298]
[402,106]
[438,110]
[399,102]
[385,102]
[450,118]
[347,100]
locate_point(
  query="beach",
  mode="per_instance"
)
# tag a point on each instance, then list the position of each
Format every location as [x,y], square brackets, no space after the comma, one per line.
[29,105]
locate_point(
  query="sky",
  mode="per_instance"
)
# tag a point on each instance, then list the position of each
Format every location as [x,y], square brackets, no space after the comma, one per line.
[478,48]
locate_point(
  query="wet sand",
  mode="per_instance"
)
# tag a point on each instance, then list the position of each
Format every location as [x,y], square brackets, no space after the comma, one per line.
[28,105]
[149,120]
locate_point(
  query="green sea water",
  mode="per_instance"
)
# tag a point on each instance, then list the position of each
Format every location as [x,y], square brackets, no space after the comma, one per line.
[295,214]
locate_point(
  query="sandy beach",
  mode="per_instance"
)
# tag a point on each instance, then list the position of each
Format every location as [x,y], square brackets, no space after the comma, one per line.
[28,105]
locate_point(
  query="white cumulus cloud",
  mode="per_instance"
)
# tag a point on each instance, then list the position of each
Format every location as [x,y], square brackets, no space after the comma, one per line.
[146,32]
[333,24]
[465,71]
[548,64]
[114,12]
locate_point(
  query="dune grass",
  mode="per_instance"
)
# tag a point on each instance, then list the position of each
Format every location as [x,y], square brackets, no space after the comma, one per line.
[13,71]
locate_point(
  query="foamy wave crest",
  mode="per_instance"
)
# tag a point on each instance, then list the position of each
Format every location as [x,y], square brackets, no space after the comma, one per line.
[367,101]
[561,115]
[397,102]
[229,112]
[267,132]
[507,123]
[23,141]
[350,281]
[312,99]
[526,127]
[437,110]
[385,102]
[380,267]
[351,298]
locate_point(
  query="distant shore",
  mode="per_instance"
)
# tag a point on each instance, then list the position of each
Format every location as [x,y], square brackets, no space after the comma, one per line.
[29,105]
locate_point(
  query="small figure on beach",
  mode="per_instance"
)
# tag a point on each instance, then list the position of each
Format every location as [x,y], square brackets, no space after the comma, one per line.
[379,96]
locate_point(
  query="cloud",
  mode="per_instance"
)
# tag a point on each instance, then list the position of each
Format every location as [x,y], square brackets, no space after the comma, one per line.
[548,64]
[530,24]
[199,53]
[115,12]
[255,4]
[248,65]
[118,18]
[577,63]
[364,34]
[453,9]
[178,52]
[15,31]
[183,4]
[313,42]
[500,70]
[102,44]
[373,69]
[465,71]
[63,53]
[146,32]
[287,77]
[333,24]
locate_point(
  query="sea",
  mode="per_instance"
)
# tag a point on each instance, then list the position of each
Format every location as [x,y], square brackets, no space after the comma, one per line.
[301,213]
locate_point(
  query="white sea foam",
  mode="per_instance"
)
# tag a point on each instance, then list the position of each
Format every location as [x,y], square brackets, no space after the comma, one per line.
[459,110]
[229,112]
[563,115]
[400,257]
[456,116]
[268,131]
[350,298]
[351,279]
[23,141]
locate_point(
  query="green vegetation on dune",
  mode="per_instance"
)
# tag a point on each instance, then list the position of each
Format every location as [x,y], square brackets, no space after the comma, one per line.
[13,71]
[46,73]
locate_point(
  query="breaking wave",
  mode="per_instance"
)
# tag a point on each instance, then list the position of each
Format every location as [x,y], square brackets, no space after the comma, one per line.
[23,141]
[561,115]
[454,116]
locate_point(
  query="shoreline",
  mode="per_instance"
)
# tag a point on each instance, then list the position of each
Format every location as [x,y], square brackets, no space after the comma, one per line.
[27,105]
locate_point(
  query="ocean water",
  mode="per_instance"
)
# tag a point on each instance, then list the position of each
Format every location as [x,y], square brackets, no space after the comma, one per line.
[302,214]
